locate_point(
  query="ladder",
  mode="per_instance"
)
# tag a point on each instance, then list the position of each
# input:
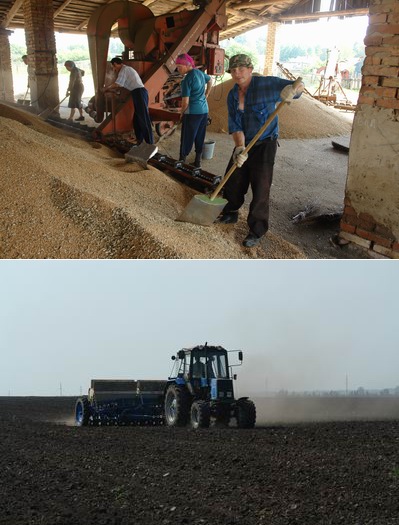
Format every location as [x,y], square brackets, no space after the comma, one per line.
[290,76]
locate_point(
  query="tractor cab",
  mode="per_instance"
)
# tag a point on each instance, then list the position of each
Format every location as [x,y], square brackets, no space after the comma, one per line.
[201,363]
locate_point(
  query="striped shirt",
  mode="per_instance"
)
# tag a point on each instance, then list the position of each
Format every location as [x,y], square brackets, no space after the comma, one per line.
[128,78]
[260,101]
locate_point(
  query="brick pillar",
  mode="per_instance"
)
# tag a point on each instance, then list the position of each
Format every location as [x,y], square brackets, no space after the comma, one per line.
[371,213]
[272,49]
[41,50]
[6,84]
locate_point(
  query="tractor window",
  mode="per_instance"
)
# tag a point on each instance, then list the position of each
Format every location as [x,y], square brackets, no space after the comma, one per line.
[219,366]
[180,367]
[208,364]
[205,363]
[185,365]
[212,367]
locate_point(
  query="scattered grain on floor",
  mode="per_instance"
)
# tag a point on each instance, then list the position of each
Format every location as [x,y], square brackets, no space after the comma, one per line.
[64,197]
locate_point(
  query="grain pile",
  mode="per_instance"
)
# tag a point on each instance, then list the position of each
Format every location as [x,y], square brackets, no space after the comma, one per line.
[305,118]
[64,197]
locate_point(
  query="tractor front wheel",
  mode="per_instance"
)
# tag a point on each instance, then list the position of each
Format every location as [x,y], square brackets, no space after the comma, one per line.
[200,414]
[246,413]
[177,404]
[82,412]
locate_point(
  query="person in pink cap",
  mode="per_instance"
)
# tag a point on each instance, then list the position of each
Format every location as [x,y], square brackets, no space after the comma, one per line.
[195,88]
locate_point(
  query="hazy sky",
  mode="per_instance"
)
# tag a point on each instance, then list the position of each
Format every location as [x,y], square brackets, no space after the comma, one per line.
[326,32]
[301,324]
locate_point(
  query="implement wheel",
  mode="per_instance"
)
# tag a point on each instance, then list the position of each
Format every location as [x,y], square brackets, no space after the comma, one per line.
[246,413]
[164,127]
[177,404]
[200,414]
[82,412]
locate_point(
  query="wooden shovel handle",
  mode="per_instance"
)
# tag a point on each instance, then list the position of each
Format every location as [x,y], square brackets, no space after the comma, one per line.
[50,110]
[216,191]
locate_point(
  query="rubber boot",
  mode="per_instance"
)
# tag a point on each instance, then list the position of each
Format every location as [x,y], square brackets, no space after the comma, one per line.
[197,162]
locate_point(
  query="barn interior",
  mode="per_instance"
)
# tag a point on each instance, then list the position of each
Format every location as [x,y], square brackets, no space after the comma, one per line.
[153,34]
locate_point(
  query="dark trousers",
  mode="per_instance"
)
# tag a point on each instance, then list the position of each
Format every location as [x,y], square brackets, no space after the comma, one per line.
[257,171]
[141,119]
[193,130]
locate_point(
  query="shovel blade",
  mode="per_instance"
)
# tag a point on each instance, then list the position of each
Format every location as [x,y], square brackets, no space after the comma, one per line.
[141,154]
[202,210]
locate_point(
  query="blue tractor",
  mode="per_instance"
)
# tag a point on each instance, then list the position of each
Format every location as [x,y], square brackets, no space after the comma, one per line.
[200,390]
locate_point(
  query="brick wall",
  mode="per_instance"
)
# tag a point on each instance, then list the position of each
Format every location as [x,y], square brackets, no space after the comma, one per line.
[41,50]
[371,213]
[272,48]
[381,67]
[6,84]
[362,229]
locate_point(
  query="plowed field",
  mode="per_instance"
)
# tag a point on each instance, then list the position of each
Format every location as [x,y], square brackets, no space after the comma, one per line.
[336,472]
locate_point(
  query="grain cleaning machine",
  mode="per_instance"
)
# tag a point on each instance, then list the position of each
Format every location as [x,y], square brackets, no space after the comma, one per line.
[199,391]
[151,46]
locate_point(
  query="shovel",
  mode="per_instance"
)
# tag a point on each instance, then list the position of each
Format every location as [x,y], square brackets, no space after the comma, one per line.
[47,112]
[204,210]
[23,101]
[142,154]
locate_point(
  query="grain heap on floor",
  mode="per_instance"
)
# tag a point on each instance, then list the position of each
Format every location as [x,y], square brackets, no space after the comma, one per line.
[64,197]
[305,118]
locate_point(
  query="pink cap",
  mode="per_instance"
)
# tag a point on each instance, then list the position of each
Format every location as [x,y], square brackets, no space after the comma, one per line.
[185,60]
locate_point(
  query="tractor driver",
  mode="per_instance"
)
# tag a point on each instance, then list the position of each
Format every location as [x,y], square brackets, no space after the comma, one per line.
[199,369]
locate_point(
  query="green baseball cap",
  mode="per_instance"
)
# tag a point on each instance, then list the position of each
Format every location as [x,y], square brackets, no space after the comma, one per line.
[240,60]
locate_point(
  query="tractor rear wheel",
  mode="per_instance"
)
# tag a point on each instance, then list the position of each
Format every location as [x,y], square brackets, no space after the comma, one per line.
[82,412]
[200,414]
[246,413]
[177,405]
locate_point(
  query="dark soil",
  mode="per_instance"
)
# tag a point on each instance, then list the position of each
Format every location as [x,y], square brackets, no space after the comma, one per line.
[342,472]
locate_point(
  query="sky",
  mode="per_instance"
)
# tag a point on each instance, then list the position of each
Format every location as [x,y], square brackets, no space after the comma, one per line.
[326,32]
[302,325]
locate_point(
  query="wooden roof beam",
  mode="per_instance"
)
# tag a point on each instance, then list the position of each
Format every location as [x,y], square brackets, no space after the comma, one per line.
[150,2]
[238,25]
[62,7]
[322,14]
[12,12]
[247,15]
[255,3]
[85,22]
[178,8]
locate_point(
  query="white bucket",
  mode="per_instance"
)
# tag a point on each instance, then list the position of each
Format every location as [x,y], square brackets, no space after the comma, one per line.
[208,149]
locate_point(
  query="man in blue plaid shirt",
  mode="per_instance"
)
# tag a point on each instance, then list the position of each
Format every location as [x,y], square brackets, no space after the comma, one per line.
[250,102]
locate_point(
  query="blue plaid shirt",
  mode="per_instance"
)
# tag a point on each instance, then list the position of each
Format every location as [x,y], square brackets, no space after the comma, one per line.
[260,101]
